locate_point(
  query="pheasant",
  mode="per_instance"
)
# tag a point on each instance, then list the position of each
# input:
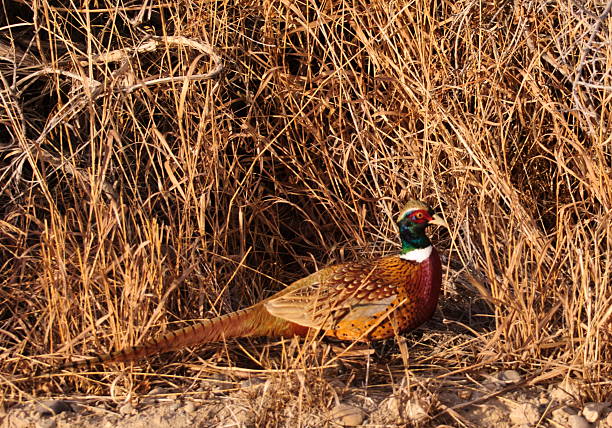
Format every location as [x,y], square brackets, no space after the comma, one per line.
[357,301]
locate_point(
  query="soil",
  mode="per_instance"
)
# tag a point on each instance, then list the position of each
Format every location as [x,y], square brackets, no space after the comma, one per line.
[500,400]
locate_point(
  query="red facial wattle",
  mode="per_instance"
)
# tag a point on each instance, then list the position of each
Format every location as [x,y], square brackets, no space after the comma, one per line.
[420,216]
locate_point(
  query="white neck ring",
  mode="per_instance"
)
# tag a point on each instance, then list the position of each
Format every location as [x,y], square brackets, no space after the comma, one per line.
[418,255]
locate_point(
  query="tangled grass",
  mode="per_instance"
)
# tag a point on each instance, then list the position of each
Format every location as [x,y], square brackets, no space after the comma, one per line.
[170,161]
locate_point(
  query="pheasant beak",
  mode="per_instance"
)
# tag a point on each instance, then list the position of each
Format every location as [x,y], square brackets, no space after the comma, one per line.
[438,220]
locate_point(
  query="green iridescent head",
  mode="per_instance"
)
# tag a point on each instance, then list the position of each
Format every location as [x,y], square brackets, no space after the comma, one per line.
[412,222]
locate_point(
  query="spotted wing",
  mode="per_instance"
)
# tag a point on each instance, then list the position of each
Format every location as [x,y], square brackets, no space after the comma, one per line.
[342,293]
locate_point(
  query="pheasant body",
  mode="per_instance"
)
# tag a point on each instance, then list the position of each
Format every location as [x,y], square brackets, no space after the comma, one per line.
[364,300]
[367,300]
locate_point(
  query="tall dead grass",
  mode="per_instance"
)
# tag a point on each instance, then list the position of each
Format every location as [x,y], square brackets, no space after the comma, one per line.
[179,160]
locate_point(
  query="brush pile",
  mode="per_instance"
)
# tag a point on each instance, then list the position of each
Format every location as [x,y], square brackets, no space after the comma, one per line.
[176,160]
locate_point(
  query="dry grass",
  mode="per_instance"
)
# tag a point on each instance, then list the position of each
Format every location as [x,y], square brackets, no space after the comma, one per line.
[143,186]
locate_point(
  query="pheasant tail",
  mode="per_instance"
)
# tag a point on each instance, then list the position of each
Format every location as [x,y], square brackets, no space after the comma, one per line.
[250,322]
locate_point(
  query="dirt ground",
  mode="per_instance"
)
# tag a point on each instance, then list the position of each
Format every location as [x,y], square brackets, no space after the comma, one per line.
[495,399]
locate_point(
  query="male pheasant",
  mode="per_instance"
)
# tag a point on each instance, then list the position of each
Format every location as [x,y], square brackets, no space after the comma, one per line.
[364,300]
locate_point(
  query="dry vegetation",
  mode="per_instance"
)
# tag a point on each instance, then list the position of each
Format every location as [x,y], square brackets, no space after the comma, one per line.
[173,161]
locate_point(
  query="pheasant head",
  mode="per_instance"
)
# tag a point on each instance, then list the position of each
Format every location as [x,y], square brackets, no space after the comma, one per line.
[412,222]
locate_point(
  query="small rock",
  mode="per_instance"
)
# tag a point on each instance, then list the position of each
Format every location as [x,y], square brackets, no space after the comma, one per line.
[592,411]
[564,392]
[190,407]
[127,409]
[525,414]
[393,407]
[46,423]
[510,376]
[173,407]
[415,411]
[561,414]
[53,407]
[400,410]
[577,421]
[347,415]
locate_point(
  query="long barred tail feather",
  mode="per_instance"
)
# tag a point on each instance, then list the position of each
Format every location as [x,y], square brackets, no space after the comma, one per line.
[252,321]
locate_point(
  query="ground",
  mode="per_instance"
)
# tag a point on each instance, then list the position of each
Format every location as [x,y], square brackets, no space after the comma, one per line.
[246,398]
